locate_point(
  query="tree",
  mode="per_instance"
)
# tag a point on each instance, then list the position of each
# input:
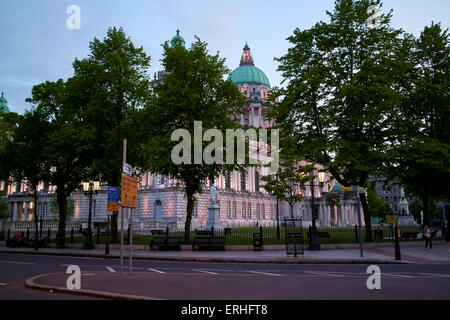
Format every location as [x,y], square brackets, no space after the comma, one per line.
[69,142]
[25,144]
[112,84]
[193,89]
[340,90]
[377,206]
[290,180]
[4,207]
[420,155]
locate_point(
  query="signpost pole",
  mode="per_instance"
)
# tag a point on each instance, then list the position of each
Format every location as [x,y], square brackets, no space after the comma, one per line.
[359,222]
[121,218]
[131,239]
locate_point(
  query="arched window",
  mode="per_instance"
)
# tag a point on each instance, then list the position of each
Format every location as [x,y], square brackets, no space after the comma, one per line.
[228,180]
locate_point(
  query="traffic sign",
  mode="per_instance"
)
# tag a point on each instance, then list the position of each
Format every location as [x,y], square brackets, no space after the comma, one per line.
[129,191]
[113,199]
[392,219]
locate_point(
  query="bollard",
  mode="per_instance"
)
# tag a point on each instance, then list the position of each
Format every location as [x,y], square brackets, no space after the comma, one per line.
[48,235]
[71,235]
[128,236]
[28,233]
[356,234]
[81,229]
[398,255]
[98,235]
[212,232]
[9,234]
[167,232]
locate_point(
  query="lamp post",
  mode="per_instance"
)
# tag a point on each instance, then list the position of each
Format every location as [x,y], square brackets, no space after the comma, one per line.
[89,188]
[314,243]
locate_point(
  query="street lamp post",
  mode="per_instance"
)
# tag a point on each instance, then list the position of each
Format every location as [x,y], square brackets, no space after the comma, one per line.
[314,243]
[90,188]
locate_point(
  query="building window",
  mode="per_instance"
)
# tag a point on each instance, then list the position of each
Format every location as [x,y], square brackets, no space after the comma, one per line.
[234,209]
[258,213]
[243,181]
[228,180]
[244,207]
[263,211]
[228,209]
[249,210]
[256,181]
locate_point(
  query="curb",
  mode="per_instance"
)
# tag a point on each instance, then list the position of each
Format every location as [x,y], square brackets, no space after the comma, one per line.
[82,292]
[288,260]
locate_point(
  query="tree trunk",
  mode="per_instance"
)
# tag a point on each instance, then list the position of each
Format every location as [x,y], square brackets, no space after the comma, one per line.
[291,205]
[365,206]
[187,226]
[62,204]
[36,218]
[426,208]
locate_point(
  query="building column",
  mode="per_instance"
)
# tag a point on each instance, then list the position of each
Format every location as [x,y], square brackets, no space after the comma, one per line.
[15,211]
[252,113]
[242,119]
[342,215]
[25,212]
[260,118]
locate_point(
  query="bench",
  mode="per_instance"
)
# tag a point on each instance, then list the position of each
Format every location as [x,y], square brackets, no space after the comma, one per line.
[164,243]
[40,243]
[408,235]
[14,243]
[321,234]
[205,239]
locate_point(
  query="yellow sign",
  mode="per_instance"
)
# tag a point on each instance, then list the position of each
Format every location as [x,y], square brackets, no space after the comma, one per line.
[391,219]
[113,206]
[129,191]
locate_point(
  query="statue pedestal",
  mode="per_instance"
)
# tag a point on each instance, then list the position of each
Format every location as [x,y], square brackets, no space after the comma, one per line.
[406,221]
[213,217]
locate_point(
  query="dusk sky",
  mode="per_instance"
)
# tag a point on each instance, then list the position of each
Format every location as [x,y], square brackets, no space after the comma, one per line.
[37,46]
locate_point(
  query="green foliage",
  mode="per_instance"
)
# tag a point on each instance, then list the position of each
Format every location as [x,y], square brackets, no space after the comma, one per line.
[339,89]
[193,89]
[420,156]
[4,207]
[377,206]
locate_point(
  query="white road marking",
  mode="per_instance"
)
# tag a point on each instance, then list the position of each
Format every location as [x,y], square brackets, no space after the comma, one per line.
[154,270]
[110,269]
[208,272]
[395,275]
[436,275]
[88,274]
[324,274]
[266,273]
[17,262]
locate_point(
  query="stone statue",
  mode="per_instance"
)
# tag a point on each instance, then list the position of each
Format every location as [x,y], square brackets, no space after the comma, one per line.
[214,195]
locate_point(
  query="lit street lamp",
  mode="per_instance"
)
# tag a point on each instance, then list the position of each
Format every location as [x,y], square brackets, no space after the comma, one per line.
[314,243]
[89,188]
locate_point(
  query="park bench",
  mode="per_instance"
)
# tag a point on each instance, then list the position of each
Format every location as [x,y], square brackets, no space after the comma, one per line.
[205,239]
[40,243]
[164,242]
[14,243]
[409,235]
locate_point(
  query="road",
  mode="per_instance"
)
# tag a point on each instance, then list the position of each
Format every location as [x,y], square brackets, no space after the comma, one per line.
[232,281]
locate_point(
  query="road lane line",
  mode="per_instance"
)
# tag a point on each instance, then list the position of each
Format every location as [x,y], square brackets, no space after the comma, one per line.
[324,274]
[17,262]
[154,270]
[208,272]
[266,273]
[396,275]
[110,269]
[436,275]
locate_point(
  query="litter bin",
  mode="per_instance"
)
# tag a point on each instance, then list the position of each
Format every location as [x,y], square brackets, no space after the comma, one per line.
[257,241]
[227,232]
[378,234]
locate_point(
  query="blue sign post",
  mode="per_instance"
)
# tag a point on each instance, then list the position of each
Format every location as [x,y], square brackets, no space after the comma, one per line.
[113,199]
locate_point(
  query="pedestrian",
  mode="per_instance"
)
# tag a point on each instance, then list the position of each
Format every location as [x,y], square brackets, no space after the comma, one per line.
[427,234]
[446,234]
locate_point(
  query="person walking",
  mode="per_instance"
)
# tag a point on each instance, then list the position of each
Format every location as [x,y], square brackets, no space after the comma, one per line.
[446,234]
[427,234]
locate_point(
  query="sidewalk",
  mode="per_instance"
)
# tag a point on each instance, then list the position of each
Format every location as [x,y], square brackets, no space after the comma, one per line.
[373,254]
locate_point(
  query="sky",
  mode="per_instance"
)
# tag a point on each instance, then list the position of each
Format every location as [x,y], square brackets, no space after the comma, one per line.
[36,45]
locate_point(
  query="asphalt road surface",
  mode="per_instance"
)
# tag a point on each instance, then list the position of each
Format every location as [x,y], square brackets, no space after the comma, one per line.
[232,281]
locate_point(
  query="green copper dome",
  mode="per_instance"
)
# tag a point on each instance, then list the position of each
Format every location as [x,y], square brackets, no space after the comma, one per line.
[246,74]
[177,40]
[3,104]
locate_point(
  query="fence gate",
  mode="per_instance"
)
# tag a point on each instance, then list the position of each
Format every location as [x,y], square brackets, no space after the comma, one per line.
[294,237]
